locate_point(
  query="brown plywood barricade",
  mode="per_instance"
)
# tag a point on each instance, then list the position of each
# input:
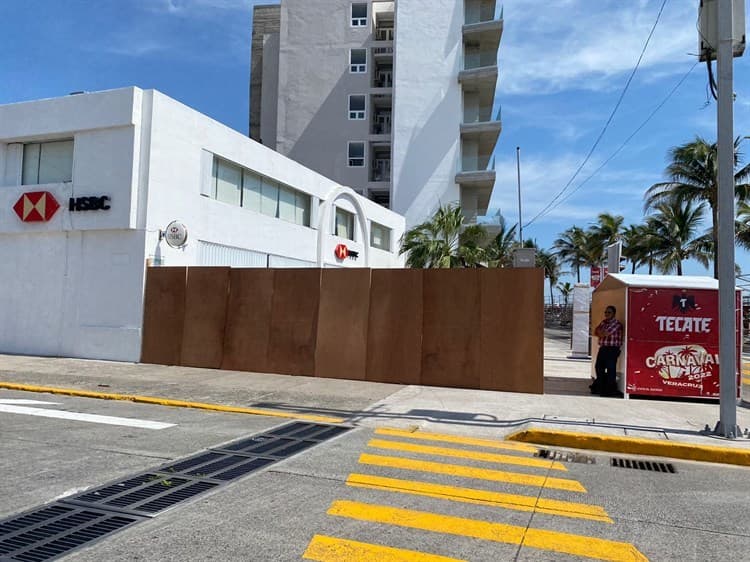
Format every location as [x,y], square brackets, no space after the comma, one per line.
[450,344]
[511,330]
[163,315]
[341,345]
[205,316]
[294,321]
[248,320]
[394,335]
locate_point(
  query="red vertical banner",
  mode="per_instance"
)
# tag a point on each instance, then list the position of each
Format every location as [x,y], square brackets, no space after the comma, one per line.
[597,274]
[673,341]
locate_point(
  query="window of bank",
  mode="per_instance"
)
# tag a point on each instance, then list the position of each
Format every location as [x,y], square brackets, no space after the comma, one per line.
[344,224]
[245,188]
[47,162]
[380,236]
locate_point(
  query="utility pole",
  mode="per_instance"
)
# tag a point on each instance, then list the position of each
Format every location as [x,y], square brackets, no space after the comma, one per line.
[518,173]
[727,425]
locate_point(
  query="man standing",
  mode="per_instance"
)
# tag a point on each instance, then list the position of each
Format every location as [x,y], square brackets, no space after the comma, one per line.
[609,332]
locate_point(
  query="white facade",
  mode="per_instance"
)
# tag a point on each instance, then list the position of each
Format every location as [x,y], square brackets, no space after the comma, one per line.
[426,70]
[73,285]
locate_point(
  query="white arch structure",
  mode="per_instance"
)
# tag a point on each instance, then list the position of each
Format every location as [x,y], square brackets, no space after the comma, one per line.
[324,222]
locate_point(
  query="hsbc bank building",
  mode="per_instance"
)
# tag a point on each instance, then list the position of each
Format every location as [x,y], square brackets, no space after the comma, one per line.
[89,184]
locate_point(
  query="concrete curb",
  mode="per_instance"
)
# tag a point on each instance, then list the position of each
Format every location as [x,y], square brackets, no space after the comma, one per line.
[167,402]
[633,446]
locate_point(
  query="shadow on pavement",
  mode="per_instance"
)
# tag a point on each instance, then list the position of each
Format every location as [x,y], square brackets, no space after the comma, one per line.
[467,419]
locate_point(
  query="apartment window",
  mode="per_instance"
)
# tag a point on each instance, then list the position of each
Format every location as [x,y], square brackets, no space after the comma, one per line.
[240,186]
[47,162]
[359,15]
[356,154]
[357,60]
[344,224]
[357,106]
[380,236]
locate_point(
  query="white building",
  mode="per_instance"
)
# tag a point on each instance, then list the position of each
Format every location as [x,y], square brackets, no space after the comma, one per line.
[393,98]
[88,181]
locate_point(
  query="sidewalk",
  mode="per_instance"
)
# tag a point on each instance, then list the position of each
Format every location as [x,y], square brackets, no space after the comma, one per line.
[566,405]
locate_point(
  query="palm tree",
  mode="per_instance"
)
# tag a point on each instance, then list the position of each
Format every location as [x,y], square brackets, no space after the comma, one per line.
[571,249]
[674,228]
[742,225]
[548,261]
[606,231]
[693,176]
[444,242]
[565,290]
[499,252]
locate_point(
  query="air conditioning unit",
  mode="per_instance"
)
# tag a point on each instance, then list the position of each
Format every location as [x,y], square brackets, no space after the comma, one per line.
[708,28]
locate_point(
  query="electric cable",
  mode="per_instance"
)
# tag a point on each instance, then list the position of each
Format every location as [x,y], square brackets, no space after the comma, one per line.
[606,125]
[627,140]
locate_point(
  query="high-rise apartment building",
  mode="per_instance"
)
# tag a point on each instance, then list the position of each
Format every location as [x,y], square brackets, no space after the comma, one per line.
[392,98]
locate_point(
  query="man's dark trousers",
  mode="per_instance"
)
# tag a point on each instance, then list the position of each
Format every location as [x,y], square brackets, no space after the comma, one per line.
[606,369]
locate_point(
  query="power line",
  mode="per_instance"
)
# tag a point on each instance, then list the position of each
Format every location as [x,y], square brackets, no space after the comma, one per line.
[627,140]
[606,125]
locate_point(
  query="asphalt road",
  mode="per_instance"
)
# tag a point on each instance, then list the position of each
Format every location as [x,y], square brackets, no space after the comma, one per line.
[367,494]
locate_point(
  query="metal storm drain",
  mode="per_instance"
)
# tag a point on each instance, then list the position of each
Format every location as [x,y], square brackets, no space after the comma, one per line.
[652,466]
[565,456]
[56,529]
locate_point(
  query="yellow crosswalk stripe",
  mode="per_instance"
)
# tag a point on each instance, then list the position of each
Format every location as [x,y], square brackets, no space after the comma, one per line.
[471,472]
[426,436]
[481,497]
[577,545]
[330,549]
[464,454]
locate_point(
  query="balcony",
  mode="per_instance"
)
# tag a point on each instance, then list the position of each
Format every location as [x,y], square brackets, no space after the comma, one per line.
[479,123]
[475,200]
[477,170]
[476,11]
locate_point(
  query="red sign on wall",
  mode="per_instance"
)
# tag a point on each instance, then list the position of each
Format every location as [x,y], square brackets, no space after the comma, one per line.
[673,342]
[36,206]
[341,251]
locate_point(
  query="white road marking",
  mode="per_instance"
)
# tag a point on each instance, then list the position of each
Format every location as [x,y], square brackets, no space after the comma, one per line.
[76,416]
[23,401]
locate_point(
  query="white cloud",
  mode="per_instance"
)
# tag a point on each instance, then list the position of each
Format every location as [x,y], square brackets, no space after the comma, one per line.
[568,46]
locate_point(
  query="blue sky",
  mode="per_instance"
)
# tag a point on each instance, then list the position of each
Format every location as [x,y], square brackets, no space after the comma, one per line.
[562,69]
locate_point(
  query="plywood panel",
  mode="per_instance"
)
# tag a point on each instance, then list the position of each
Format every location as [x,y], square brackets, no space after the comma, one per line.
[205,316]
[394,335]
[341,346]
[294,320]
[450,346]
[511,331]
[248,320]
[163,315]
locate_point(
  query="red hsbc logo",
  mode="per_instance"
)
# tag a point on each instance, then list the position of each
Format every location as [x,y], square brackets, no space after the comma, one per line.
[341,251]
[36,206]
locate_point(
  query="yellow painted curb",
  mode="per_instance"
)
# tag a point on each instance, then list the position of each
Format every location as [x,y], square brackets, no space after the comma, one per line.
[167,402]
[634,446]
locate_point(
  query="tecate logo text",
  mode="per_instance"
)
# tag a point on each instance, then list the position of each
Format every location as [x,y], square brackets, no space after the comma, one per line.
[684,324]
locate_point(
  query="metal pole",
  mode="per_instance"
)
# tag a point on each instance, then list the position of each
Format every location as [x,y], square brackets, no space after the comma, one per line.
[518,172]
[727,425]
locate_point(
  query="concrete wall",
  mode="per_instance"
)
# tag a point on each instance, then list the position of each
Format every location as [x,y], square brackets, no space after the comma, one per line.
[427,106]
[72,286]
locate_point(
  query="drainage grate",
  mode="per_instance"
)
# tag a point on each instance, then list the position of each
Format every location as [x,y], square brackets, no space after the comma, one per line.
[652,466]
[76,521]
[147,494]
[284,441]
[565,456]
[56,529]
